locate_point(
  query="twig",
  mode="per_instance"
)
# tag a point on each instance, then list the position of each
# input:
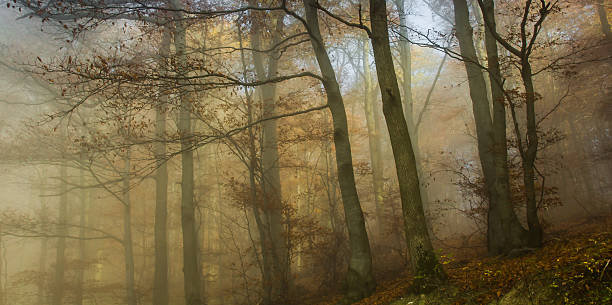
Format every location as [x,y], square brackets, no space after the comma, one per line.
[604,270]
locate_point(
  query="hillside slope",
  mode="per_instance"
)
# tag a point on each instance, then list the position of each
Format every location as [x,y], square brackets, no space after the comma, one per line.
[573,267]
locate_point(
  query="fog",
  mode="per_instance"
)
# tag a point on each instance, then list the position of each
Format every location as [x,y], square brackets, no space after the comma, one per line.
[279,152]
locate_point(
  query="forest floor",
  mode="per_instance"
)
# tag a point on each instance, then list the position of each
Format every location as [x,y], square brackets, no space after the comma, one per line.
[573,267]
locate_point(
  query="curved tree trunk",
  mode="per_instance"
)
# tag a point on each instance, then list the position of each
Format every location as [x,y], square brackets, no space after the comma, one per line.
[425,265]
[359,279]
[406,92]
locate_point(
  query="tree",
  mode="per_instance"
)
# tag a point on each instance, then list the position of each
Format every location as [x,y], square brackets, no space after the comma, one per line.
[534,15]
[60,259]
[191,267]
[44,243]
[425,266]
[275,251]
[504,232]
[359,279]
[374,134]
[83,207]
[160,285]
[127,231]
[405,63]
[603,19]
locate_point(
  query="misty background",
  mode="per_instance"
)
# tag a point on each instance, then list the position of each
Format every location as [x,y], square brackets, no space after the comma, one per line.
[81,101]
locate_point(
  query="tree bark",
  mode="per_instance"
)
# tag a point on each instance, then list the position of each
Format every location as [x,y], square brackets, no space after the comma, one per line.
[603,19]
[160,284]
[359,279]
[330,181]
[535,229]
[262,225]
[2,290]
[60,256]
[425,265]
[42,261]
[270,184]
[373,139]
[82,245]
[262,228]
[406,91]
[405,63]
[528,156]
[191,270]
[127,235]
[504,232]
[481,48]
[500,207]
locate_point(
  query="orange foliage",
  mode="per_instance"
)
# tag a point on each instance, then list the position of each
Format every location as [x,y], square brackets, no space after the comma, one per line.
[572,262]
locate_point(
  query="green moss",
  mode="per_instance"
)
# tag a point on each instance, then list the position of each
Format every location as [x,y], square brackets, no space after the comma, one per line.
[568,271]
[445,295]
[357,288]
[540,290]
[429,273]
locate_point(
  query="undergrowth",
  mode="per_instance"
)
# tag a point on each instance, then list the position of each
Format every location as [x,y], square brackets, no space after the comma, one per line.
[570,270]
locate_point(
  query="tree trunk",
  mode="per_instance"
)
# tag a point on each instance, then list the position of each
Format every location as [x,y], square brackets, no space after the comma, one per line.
[504,232]
[225,274]
[271,185]
[373,139]
[528,156]
[160,284]
[424,263]
[535,229]
[191,270]
[406,91]
[500,207]
[334,223]
[262,228]
[405,63]
[2,290]
[481,48]
[82,245]
[262,224]
[359,279]
[42,261]
[603,19]
[266,262]
[60,256]
[127,235]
